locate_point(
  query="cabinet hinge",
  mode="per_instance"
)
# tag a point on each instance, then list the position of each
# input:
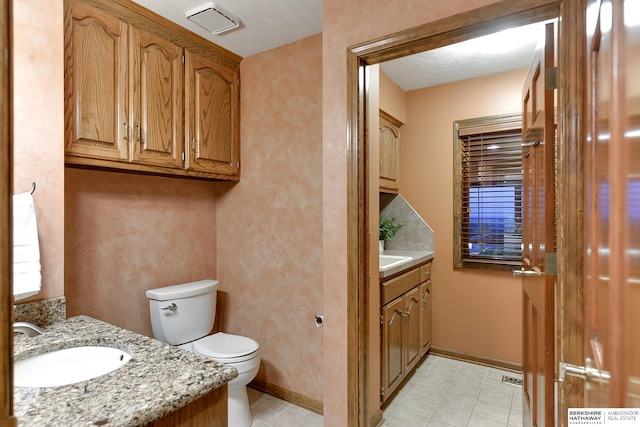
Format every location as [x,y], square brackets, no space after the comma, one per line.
[551,263]
[183,59]
[381,391]
[183,156]
[382,319]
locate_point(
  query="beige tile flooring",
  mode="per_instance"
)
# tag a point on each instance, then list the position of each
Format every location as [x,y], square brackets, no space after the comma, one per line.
[442,392]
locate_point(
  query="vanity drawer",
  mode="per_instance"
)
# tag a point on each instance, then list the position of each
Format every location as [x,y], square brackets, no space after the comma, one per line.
[392,289]
[425,272]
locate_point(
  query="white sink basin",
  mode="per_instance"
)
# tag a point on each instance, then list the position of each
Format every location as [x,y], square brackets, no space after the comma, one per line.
[68,366]
[388,261]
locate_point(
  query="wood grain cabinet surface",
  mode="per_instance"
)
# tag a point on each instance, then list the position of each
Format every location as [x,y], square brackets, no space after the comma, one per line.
[406,325]
[146,95]
[389,153]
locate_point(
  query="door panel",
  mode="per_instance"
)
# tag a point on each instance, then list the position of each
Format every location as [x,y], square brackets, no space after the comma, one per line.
[612,204]
[538,288]
[157,100]
[96,103]
[392,343]
[412,329]
[212,117]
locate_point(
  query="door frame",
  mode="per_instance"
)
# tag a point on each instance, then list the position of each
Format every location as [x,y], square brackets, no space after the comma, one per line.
[6,297]
[466,25]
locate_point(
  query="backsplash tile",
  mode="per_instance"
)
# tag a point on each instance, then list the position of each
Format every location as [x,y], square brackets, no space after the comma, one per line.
[41,313]
[415,234]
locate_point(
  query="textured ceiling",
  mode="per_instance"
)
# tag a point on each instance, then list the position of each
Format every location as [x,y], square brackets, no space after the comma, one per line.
[272,23]
[479,57]
[265,24]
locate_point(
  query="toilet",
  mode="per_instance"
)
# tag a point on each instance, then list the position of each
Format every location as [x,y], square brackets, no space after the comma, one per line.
[183,315]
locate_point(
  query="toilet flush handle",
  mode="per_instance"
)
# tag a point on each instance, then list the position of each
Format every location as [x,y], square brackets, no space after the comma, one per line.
[172,307]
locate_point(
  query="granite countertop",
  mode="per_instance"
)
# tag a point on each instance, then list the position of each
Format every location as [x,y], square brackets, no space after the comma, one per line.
[417,257]
[158,379]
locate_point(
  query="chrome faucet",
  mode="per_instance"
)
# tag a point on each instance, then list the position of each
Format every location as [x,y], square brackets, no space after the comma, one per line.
[29,329]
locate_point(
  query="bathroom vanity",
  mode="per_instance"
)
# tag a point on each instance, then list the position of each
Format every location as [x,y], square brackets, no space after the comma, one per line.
[160,385]
[405,316]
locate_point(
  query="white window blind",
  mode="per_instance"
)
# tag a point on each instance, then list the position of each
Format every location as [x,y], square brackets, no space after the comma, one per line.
[488,217]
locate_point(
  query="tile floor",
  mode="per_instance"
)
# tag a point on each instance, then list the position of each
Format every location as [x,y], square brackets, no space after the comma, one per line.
[441,393]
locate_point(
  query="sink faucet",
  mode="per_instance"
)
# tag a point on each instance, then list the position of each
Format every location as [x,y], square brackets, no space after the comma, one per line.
[29,329]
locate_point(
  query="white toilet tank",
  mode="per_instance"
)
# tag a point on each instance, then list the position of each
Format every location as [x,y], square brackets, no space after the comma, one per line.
[183,313]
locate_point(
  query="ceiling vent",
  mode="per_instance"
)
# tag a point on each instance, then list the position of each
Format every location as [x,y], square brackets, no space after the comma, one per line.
[213,18]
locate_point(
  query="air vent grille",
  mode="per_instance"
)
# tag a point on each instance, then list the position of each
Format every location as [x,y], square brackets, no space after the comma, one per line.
[511,380]
[213,18]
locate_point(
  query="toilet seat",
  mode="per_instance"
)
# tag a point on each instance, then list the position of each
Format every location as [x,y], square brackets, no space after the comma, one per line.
[226,348]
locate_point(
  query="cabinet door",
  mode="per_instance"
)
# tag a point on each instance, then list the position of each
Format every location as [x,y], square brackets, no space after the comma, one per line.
[95,84]
[426,303]
[389,152]
[393,317]
[157,92]
[212,117]
[412,345]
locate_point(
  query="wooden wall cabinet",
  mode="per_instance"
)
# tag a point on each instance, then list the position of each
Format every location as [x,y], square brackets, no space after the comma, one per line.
[406,325]
[212,117]
[389,153]
[155,99]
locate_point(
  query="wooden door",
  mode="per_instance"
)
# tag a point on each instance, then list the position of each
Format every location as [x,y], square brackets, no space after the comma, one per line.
[392,344]
[157,99]
[426,303]
[538,286]
[612,206]
[212,117]
[412,344]
[389,152]
[95,52]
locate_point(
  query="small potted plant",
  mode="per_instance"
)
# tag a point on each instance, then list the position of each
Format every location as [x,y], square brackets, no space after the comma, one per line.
[387,228]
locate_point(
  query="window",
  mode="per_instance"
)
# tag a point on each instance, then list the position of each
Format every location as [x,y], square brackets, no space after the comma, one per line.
[488,192]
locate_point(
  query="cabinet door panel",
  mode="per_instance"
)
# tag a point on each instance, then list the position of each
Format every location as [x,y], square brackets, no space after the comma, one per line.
[212,117]
[392,343]
[412,345]
[426,302]
[95,84]
[157,100]
[389,152]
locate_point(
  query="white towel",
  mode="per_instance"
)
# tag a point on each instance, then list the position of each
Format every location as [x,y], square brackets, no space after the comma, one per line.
[27,278]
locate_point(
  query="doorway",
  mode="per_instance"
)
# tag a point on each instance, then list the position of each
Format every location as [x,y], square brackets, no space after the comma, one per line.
[440,33]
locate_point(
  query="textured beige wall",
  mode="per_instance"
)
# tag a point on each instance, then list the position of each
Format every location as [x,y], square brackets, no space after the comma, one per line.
[346,24]
[392,98]
[38,128]
[126,233]
[270,223]
[474,311]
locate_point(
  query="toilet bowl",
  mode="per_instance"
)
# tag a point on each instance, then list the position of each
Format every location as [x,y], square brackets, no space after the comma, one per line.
[183,315]
[243,354]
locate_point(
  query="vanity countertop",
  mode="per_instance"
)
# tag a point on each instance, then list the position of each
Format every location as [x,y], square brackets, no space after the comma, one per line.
[158,379]
[416,258]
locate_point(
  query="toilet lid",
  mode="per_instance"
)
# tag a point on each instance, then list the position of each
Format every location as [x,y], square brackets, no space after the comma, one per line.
[226,347]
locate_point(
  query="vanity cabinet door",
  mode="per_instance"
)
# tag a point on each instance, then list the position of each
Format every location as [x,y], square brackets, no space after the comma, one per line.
[393,318]
[426,303]
[95,84]
[412,343]
[157,97]
[212,117]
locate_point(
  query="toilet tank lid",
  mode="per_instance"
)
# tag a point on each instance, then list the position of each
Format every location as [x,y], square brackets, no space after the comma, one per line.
[183,290]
